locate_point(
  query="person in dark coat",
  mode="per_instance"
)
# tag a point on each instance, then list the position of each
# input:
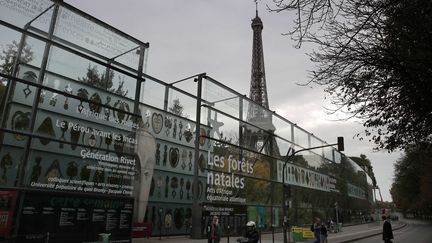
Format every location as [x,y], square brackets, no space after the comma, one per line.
[215,231]
[387,230]
[251,233]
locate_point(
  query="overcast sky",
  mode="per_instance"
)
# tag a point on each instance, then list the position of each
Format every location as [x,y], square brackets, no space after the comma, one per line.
[188,37]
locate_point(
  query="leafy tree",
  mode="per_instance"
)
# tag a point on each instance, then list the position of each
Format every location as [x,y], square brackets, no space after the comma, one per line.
[365,163]
[412,186]
[373,57]
[95,79]
[8,57]
[177,108]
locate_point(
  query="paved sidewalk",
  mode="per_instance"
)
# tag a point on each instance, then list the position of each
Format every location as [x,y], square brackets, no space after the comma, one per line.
[348,234]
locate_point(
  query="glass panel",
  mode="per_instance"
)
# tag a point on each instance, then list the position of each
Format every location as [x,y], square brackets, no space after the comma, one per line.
[153,93]
[21,12]
[11,157]
[181,104]
[19,120]
[224,128]
[33,52]
[9,42]
[283,128]
[79,172]
[301,137]
[221,98]
[91,36]
[76,67]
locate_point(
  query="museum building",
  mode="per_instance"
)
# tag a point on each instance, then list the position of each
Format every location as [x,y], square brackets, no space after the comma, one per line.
[91,144]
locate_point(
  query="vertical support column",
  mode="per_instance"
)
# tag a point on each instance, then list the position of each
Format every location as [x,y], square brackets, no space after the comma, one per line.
[11,84]
[44,63]
[196,207]
[139,79]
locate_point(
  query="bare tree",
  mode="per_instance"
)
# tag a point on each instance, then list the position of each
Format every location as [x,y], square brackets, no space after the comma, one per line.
[373,58]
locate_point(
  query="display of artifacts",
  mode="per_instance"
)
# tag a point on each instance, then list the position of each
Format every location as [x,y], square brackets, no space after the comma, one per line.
[181,188]
[174,184]
[54,97]
[168,125]
[98,177]
[118,147]
[53,171]
[179,217]
[85,173]
[94,105]
[165,155]
[68,89]
[108,141]
[72,170]
[5,165]
[190,161]
[158,152]
[183,158]
[180,130]
[36,170]
[42,96]
[123,106]
[188,188]
[166,186]
[175,129]
[157,122]
[31,77]
[188,133]
[174,157]
[90,139]
[74,136]
[62,137]
[202,138]
[168,220]
[46,128]
[107,110]
[202,163]
[83,94]
[20,122]
[146,120]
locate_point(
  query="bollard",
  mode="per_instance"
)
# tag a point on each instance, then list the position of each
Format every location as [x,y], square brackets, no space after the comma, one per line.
[272,233]
[260,234]
[47,238]
[228,234]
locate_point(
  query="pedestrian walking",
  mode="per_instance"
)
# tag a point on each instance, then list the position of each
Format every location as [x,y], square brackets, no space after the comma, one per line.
[387,230]
[323,234]
[317,230]
[215,233]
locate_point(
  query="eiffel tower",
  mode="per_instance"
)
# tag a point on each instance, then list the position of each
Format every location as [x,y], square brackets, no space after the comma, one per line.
[255,138]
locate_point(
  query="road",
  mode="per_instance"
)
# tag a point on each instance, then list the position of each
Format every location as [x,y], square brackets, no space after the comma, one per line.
[415,232]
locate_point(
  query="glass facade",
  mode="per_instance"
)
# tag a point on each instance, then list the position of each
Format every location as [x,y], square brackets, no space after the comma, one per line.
[90,143]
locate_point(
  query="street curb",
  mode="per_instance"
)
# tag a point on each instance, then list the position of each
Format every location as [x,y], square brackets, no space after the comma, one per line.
[368,236]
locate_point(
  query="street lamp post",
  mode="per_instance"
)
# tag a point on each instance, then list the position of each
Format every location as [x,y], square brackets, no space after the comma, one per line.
[337,216]
[339,144]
